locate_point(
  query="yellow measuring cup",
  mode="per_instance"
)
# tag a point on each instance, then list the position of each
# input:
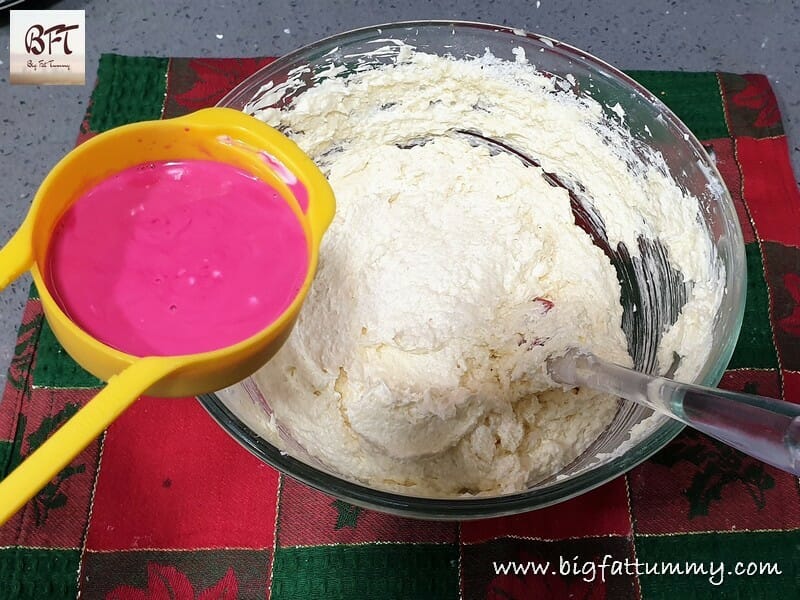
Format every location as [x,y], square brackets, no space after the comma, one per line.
[218,134]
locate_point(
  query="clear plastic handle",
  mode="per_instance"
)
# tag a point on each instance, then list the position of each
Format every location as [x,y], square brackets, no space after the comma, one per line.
[764,428]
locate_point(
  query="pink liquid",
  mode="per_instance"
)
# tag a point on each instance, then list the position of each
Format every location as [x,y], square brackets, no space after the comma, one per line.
[177,258]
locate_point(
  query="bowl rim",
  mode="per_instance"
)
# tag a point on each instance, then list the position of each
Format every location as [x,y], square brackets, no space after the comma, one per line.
[490,506]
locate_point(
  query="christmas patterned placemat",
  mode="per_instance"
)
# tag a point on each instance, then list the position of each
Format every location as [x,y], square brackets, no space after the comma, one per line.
[166,505]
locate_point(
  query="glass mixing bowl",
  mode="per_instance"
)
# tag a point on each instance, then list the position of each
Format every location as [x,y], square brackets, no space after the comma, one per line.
[242,409]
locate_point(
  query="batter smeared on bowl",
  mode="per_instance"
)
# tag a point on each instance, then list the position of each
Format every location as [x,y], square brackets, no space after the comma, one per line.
[454,268]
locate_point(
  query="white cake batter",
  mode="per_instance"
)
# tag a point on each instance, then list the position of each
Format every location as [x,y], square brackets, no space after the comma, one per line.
[451,271]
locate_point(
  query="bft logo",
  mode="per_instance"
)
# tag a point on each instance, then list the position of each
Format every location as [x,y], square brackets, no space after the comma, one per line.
[36,36]
[47,47]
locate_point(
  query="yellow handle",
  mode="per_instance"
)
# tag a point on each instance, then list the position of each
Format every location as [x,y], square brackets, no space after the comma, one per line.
[16,256]
[24,482]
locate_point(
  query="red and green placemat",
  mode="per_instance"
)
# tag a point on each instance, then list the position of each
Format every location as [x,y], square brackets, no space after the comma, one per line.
[166,505]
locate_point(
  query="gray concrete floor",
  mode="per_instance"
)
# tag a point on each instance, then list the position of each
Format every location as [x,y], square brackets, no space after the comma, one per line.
[39,124]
